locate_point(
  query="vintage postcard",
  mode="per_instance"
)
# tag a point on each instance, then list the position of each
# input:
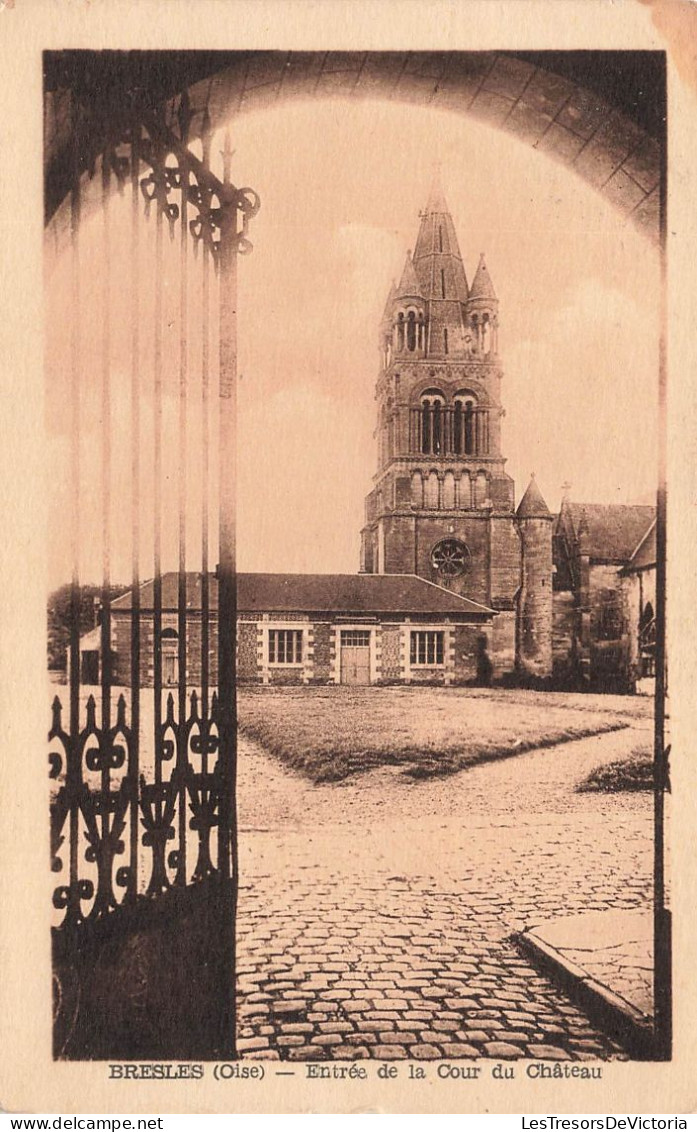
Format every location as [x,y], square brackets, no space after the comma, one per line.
[349,443]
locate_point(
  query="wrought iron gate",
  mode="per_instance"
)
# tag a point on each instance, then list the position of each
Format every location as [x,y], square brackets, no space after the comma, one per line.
[143,825]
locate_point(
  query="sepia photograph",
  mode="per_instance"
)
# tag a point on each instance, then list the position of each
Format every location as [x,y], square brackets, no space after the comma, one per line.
[349,467]
[355,629]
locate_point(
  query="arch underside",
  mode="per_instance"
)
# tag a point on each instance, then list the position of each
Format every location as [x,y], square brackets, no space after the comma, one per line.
[551,101]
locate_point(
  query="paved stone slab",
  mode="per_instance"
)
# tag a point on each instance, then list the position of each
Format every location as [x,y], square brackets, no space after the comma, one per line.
[613,946]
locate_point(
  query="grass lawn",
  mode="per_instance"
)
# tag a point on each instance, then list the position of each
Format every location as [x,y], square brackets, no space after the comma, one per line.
[330,733]
[633,773]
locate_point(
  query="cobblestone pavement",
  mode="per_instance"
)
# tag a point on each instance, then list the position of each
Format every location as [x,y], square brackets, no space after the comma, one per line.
[375,915]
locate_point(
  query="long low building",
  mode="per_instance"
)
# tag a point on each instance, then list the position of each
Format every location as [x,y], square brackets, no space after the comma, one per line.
[314,629]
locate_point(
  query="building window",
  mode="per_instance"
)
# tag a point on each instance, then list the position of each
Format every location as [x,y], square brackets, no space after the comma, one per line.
[285,646]
[445,341]
[463,424]
[432,403]
[442,283]
[450,557]
[355,638]
[440,238]
[609,622]
[427,648]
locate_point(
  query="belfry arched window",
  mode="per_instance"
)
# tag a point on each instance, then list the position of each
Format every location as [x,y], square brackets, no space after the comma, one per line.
[486,334]
[411,331]
[400,331]
[463,424]
[431,419]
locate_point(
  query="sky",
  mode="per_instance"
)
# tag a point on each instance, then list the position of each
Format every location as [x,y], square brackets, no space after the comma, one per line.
[341,186]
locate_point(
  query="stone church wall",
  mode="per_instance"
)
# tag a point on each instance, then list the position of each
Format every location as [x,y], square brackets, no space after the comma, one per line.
[610,645]
[502,644]
[466,637]
[505,560]
[563,628]
[399,545]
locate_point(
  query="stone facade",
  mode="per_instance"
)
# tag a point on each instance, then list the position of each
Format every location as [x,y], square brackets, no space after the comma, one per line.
[604,594]
[426,634]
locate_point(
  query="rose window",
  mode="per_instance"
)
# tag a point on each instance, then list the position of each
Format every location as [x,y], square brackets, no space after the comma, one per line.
[450,557]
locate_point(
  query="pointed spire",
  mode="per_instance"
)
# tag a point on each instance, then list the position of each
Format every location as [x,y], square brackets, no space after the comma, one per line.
[532,505]
[437,257]
[436,197]
[409,286]
[387,313]
[482,287]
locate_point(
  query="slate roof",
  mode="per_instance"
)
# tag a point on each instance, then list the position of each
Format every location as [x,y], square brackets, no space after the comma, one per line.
[614,530]
[532,505]
[319,593]
[409,286]
[645,554]
[482,287]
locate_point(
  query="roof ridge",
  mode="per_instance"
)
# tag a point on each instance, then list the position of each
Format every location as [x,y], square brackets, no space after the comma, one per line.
[443,589]
[642,540]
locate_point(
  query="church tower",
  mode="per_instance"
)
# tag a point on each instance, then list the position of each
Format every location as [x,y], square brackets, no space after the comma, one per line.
[442,505]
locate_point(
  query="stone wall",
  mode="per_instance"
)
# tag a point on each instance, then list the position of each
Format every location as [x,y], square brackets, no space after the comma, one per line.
[502,644]
[322,670]
[247,659]
[505,570]
[392,667]
[466,637]
[390,650]
[563,630]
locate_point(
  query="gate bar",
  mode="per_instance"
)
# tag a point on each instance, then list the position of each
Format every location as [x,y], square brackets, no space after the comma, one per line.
[73,909]
[227,592]
[104,889]
[205,468]
[134,748]
[662,917]
[157,494]
[182,731]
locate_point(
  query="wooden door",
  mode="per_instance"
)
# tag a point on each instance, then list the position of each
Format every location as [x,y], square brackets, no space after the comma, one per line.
[355,656]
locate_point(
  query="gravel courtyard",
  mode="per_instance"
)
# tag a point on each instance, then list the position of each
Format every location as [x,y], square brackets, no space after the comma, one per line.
[375,914]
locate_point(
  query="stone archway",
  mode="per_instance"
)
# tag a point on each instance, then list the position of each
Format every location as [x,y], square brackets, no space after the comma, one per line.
[565,108]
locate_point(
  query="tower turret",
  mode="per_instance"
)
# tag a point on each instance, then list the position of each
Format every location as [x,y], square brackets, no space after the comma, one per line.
[386,335]
[409,313]
[483,312]
[534,636]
